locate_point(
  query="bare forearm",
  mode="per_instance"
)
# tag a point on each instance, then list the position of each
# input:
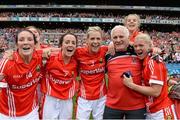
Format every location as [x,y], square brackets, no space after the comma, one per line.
[146,90]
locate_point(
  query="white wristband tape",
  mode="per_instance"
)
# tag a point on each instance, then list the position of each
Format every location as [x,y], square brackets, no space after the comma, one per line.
[3,85]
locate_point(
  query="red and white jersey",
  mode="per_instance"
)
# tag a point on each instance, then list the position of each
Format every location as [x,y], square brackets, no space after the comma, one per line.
[92,73]
[60,77]
[133,36]
[119,96]
[20,97]
[155,72]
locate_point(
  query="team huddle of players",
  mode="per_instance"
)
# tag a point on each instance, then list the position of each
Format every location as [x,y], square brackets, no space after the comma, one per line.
[41,81]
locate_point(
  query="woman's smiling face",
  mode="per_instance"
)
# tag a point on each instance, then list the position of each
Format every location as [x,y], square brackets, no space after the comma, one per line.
[25,43]
[69,45]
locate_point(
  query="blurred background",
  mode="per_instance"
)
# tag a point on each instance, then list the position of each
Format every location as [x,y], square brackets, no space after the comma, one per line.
[160,19]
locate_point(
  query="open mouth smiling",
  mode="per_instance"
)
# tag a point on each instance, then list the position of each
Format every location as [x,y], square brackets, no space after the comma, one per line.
[70,50]
[139,53]
[26,48]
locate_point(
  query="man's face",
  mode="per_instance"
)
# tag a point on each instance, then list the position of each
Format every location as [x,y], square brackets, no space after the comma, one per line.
[120,40]
[94,41]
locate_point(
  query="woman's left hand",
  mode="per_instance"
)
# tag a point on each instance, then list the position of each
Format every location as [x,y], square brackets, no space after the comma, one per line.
[128,81]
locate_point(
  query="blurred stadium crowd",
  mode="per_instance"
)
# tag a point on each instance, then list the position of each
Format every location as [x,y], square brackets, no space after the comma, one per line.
[84,14]
[165,36]
[167,41]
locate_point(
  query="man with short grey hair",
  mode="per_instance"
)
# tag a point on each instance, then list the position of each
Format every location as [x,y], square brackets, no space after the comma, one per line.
[122,102]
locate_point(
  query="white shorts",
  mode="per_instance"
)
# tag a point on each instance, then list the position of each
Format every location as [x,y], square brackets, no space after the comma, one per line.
[54,108]
[85,107]
[159,115]
[33,115]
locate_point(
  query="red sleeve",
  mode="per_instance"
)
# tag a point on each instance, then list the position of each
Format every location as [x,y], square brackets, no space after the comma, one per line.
[105,48]
[3,64]
[78,51]
[157,72]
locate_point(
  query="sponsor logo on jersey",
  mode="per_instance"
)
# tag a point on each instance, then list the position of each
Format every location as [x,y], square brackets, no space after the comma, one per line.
[29,84]
[134,60]
[61,82]
[94,71]
[28,75]
[65,73]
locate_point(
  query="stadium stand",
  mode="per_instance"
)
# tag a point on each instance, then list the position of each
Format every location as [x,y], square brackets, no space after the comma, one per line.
[54,18]
[160,19]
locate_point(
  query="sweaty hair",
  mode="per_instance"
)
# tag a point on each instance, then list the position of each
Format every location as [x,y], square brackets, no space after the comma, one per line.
[137,16]
[61,39]
[144,37]
[123,28]
[33,27]
[94,28]
[17,34]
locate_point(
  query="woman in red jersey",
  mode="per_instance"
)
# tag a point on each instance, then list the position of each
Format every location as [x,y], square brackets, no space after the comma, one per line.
[59,85]
[19,99]
[158,105]
[91,59]
[132,22]
[2,45]
[37,34]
